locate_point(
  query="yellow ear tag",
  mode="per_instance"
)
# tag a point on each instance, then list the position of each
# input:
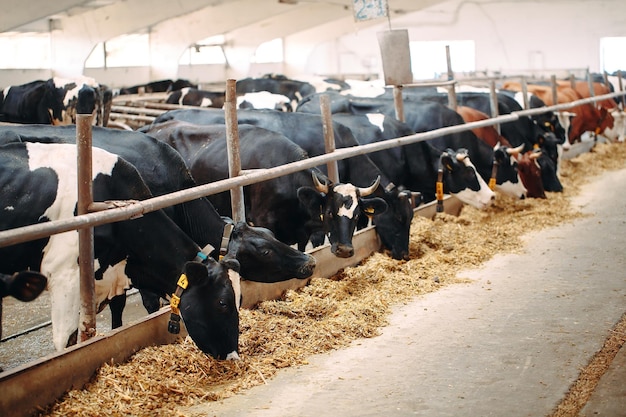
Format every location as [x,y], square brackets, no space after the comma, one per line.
[182,281]
[439,190]
[492,184]
[536,146]
[369,210]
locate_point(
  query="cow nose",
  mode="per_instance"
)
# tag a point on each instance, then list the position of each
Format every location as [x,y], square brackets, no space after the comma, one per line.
[344,251]
[233,356]
[522,197]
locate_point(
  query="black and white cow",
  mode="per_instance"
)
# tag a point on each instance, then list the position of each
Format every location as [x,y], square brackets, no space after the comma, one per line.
[262,257]
[189,96]
[150,252]
[307,131]
[160,86]
[275,85]
[294,206]
[52,102]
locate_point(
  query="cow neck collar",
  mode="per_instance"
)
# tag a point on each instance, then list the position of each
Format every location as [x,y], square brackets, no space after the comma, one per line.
[173,325]
[494,173]
[226,234]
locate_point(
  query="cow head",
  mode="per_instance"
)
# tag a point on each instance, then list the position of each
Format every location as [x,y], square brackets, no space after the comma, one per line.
[263,258]
[549,177]
[507,175]
[339,207]
[461,179]
[393,226]
[530,173]
[208,308]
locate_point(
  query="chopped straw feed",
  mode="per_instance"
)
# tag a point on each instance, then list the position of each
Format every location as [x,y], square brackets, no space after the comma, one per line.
[331,312]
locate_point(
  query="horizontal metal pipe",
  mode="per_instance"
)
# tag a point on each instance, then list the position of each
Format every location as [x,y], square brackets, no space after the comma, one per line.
[23,234]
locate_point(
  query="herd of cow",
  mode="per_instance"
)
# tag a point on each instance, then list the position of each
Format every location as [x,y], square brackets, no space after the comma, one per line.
[193,251]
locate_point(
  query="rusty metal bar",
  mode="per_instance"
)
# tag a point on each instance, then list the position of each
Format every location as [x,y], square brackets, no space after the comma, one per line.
[329,137]
[234,158]
[553,83]
[87,323]
[398,102]
[26,233]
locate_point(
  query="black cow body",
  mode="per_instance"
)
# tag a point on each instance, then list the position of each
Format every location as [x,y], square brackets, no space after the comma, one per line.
[193,97]
[51,102]
[285,205]
[307,131]
[263,258]
[39,184]
[160,86]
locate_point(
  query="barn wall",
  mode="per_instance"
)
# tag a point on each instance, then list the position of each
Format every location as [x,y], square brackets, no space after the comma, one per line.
[509,36]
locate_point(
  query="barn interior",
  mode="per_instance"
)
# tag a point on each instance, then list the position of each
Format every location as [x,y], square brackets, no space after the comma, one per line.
[123,43]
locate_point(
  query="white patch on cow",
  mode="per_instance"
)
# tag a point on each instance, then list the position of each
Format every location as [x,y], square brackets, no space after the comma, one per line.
[5,92]
[183,93]
[515,190]
[377,120]
[114,282]
[349,192]
[464,88]
[565,118]
[480,199]
[60,256]
[235,279]
[263,100]
[619,126]
[9,208]
[206,102]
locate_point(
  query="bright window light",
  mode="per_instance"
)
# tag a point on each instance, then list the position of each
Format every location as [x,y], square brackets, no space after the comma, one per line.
[122,51]
[269,52]
[428,58]
[25,50]
[612,54]
[204,52]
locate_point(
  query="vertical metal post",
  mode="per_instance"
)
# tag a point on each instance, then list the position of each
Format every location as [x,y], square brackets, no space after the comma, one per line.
[452,102]
[398,103]
[592,92]
[234,160]
[572,81]
[555,96]
[619,80]
[329,137]
[84,115]
[493,95]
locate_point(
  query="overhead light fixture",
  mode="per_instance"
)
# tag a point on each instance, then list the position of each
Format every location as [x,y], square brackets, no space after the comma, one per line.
[288,1]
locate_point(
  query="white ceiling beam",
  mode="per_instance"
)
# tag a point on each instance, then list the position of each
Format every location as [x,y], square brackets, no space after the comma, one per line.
[16,13]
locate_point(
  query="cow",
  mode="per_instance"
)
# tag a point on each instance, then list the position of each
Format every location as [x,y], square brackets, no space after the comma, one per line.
[307,131]
[293,206]
[262,257]
[293,90]
[530,173]
[160,86]
[39,182]
[423,116]
[52,102]
[588,118]
[189,96]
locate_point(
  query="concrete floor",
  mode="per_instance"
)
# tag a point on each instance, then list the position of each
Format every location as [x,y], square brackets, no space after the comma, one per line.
[509,344]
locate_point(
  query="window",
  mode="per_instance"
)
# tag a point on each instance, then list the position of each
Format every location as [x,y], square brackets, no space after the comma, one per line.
[612,54]
[123,51]
[428,58]
[205,51]
[269,52]
[25,50]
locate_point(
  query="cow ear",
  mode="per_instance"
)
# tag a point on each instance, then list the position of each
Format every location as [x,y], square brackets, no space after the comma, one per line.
[196,273]
[231,263]
[447,162]
[373,206]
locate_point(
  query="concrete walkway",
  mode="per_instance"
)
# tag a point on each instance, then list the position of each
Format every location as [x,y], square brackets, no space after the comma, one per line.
[509,344]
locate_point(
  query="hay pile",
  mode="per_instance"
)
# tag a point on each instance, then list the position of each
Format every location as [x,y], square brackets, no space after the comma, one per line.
[330,313]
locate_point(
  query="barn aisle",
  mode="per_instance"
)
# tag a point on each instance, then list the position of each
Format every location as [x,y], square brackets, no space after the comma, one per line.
[511,343]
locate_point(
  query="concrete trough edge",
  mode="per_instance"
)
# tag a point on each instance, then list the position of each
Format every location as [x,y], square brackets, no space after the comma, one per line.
[31,387]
